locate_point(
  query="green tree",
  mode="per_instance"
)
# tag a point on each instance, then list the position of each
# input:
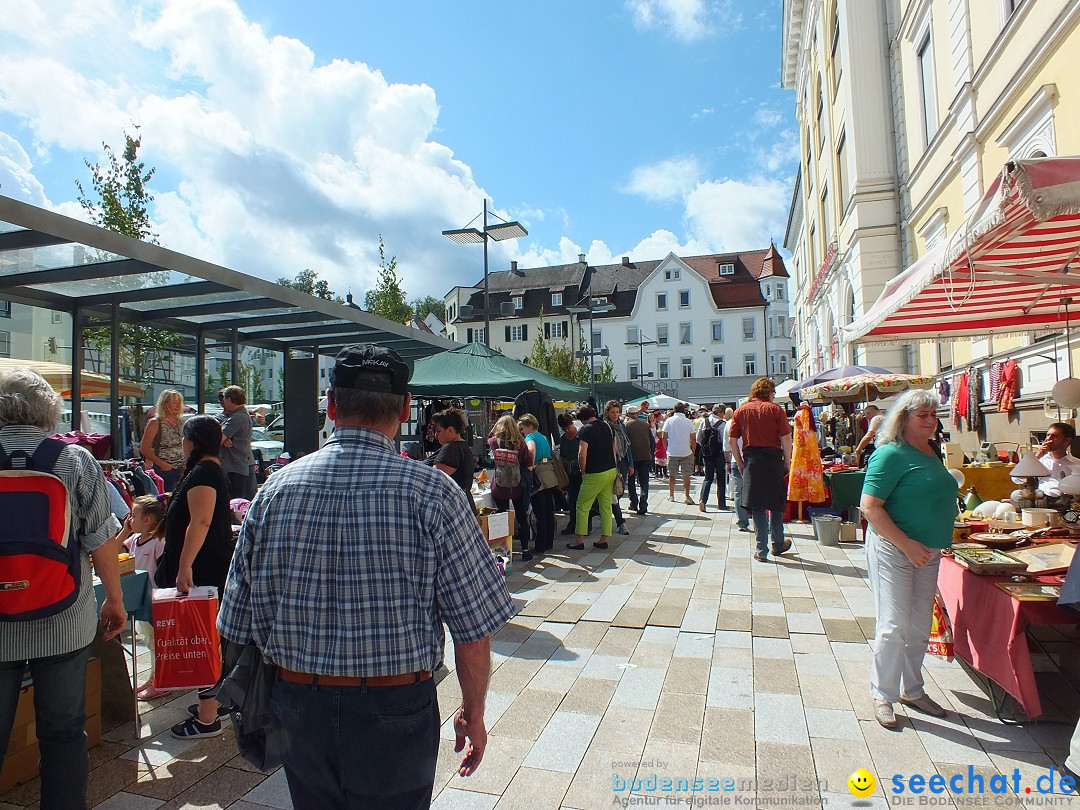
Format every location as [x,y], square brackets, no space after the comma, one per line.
[556,357]
[429,304]
[386,299]
[308,281]
[121,203]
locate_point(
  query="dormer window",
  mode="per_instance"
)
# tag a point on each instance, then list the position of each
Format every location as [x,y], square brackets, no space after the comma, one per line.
[727,269]
[517,302]
[556,299]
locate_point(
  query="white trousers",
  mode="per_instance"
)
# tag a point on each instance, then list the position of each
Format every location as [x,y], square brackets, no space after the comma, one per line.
[1073,760]
[904,600]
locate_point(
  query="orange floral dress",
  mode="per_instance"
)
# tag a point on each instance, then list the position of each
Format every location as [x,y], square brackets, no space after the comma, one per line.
[806,482]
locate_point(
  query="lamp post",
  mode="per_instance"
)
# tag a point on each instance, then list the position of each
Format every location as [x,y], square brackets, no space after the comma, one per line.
[470,236]
[641,342]
[592,308]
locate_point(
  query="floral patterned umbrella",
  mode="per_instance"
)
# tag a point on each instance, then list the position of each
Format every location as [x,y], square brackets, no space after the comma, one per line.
[864,387]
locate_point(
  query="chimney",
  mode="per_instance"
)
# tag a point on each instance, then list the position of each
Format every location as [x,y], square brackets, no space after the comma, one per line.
[625,261]
[581,258]
[513,265]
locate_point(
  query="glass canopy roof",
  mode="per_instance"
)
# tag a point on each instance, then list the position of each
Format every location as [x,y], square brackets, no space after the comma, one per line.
[53,261]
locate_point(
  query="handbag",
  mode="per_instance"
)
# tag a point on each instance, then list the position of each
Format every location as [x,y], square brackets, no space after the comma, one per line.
[245,691]
[620,487]
[562,477]
[545,474]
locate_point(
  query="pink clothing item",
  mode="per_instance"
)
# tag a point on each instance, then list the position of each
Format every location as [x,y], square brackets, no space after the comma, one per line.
[157,479]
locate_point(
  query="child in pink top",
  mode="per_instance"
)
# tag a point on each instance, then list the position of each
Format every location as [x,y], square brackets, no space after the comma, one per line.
[143,537]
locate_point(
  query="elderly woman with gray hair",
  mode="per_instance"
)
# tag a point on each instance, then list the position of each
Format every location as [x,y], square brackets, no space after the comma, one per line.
[50,631]
[909,499]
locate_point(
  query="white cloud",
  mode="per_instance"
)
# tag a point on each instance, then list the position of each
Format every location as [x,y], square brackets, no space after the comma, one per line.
[703,112]
[686,19]
[737,214]
[16,173]
[666,180]
[768,117]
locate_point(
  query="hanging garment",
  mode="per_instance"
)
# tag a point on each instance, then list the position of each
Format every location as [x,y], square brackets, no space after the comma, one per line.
[806,482]
[944,389]
[1010,383]
[974,398]
[963,398]
[995,380]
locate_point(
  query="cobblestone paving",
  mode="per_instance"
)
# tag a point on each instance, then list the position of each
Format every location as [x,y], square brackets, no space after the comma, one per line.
[674,655]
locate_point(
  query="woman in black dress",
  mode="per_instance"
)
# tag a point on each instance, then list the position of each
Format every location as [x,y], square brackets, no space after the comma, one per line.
[454,456]
[198,542]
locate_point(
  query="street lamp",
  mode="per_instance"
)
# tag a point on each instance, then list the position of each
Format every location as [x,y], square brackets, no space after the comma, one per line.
[641,342]
[593,306]
[470,236]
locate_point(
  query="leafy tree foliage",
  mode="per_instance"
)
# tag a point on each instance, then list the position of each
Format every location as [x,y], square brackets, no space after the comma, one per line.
[121,203]
[429,304]
[387,299]
[308,281]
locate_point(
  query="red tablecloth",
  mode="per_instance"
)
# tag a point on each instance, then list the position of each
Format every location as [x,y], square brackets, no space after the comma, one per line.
[988,625]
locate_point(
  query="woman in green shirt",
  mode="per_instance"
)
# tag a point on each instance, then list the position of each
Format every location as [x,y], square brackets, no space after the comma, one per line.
[909,499]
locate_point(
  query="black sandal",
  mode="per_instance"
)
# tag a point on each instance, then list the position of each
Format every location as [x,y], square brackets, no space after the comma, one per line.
[578,547]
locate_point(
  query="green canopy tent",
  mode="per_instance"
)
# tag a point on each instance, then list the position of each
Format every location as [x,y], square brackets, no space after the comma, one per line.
[474,370]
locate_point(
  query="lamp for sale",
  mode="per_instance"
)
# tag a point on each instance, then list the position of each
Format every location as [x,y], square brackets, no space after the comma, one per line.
[1031,469]
[1066,393]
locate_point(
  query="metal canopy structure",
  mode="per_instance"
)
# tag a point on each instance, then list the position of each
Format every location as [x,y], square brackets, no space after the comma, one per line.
[53,261]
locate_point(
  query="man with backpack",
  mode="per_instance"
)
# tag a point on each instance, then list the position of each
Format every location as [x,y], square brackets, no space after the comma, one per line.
[710,439]
[56,516]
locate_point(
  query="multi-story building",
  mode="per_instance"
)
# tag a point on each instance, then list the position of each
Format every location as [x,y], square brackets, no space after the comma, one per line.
[961,87]
[843,228]
[702,327]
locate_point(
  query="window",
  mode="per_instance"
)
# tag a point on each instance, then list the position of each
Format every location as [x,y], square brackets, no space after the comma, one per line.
[748,330]
[517,302]
[556,329]
[5,344]
[57,317]
[927,90]
[772,365]
[718,331]
[718,366]
[480,335]
[688,367]
[779,292]
[684,299]
[5,309]
[635,371]
[727,269]
[768,291]
[686,337]
[597,339]
[661,300]
[662,369]
[518,333]
[783,364]
[837,61]
[556,299]
[633,334]
[661,334]
[841,173]
[820,111]
[827,213]
[322,373]
[673,274]
[749,364]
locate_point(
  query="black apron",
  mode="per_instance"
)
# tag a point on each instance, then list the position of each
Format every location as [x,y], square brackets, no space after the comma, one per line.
[763,479]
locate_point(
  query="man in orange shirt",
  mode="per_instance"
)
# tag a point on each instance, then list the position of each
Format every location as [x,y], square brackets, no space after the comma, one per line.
[764,459]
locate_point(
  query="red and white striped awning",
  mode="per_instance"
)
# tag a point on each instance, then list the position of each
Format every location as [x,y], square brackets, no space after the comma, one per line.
[1005,270]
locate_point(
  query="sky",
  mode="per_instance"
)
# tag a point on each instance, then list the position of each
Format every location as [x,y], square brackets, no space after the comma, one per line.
[293,135]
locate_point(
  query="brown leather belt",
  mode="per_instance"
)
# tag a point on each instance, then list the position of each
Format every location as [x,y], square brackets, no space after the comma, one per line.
[307,679]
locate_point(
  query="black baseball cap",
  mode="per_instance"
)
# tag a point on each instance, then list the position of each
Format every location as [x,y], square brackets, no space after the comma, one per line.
[353,361]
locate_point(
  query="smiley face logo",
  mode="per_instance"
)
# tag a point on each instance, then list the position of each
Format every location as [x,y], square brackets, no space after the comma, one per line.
[861,783]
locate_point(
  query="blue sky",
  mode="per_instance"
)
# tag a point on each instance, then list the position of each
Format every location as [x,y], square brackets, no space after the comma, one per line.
[291,135]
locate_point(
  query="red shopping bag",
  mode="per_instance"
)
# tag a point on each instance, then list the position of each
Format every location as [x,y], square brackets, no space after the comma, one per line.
[187,651]
[941,634]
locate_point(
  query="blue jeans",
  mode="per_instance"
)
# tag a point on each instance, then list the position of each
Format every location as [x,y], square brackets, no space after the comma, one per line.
[742,516]
[354,747]
[715,468]
[768,523]
[640,478]
[60,717]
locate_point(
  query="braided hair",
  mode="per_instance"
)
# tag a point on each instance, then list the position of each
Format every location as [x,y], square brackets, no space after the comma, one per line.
[204,433]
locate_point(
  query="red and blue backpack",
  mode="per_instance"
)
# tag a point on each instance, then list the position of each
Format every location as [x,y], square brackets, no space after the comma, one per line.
[40,561]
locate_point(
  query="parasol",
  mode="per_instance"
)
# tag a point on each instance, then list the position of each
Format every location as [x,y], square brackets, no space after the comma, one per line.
[864,387]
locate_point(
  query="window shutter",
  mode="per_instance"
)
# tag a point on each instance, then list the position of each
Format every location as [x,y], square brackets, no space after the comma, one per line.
[547,331]
[565,329]
[468,336]
[524,331]
[508,334]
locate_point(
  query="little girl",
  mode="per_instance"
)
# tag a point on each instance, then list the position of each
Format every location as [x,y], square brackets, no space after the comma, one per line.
[143,537]
[660,458]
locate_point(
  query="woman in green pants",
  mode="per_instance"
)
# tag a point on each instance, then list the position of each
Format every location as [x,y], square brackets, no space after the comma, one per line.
[596,457]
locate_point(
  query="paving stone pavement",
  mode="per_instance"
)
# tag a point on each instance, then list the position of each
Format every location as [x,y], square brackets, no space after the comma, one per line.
[673,654]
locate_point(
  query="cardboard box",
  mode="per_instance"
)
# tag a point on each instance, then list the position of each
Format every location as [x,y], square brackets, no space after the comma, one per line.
[497,525]
[847,532]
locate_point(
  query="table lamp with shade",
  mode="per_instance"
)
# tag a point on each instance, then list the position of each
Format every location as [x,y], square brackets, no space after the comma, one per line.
[1032,469]
[1070,485]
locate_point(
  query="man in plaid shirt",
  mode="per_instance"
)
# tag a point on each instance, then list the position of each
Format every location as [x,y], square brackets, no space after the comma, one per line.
[350,561]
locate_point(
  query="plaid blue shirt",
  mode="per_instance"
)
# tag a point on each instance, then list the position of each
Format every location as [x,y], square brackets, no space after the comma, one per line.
[352,558]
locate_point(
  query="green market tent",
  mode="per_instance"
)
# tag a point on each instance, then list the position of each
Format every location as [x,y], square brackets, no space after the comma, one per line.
[474,370]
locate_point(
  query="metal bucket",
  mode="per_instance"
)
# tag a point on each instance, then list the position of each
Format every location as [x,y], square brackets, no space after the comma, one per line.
[827,529]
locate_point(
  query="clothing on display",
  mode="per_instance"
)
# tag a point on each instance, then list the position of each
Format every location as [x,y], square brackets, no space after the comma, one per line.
[806,481]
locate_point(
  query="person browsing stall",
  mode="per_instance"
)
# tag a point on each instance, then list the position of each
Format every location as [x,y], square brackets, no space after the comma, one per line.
[454,456]
[909,500]
[163,441]
[596,458]
[681,440]
[236,456]
[348,565]
[1055,453]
